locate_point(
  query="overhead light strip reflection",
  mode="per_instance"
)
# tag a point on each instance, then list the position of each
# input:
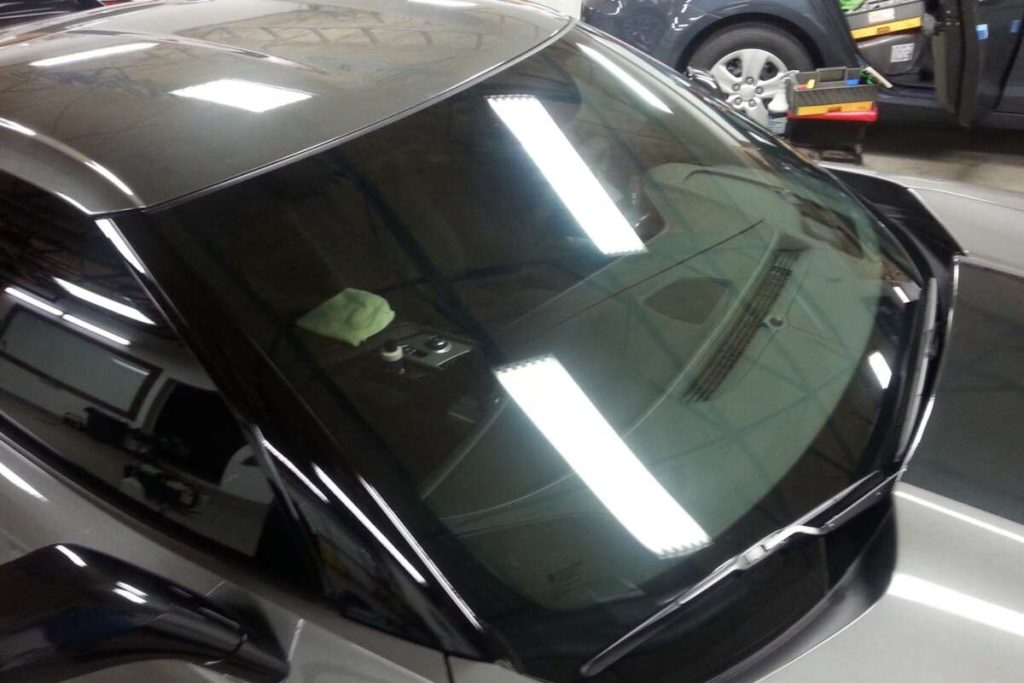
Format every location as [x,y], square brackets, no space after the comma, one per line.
[9,474]
[130,588]
[960,516]
[109,175]
[73,202]
[16,127]
[295,470]
[97,330]
[130,596]
[98,53]
[881,368]
[103,302]
[71,555]
[617,71]
[370,526]
[956,603]
[422,554]
[241,94]
[567,173]
[564,414]
[34,301]
[445,3]
[38,303]
[111,232]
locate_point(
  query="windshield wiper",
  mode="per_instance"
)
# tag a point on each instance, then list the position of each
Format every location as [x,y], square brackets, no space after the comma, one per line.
[822,520]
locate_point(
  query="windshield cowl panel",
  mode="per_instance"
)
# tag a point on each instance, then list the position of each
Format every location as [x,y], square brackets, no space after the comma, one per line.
[596,337]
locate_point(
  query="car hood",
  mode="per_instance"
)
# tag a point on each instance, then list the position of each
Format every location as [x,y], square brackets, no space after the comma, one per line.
[984,222]
[954,609]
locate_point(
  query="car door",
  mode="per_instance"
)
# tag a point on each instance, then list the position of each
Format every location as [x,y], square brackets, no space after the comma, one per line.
[113,438]
[1013,93]
[976,45]
[18,11]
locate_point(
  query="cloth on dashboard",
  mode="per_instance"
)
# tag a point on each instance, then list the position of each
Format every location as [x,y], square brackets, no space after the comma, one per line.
[353,316]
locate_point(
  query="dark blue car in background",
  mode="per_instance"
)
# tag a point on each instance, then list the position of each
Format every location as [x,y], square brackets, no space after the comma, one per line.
[943,56]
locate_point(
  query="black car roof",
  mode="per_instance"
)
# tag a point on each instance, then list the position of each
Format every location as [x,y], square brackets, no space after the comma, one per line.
[112,109]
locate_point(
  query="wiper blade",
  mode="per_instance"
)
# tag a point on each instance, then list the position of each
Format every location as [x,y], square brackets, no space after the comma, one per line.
[820,521]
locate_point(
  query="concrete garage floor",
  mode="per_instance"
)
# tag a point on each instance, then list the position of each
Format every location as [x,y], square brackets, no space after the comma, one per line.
[991,158]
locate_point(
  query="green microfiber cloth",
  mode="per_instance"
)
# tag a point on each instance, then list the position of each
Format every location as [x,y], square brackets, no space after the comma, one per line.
[850,5]
[353,316]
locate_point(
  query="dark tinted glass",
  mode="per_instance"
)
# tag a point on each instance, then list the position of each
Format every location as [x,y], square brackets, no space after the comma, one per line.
[588,335]
[90,367]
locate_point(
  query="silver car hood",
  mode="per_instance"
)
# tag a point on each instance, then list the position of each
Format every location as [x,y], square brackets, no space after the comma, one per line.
[986,223]
[954,609]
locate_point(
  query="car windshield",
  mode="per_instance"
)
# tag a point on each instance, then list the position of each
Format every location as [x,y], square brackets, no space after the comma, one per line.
[600,332]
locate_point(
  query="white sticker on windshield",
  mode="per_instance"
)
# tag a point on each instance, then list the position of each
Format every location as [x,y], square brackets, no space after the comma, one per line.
[880,16]
[902,53]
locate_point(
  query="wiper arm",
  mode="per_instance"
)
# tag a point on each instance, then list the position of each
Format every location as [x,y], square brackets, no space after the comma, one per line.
[822,520]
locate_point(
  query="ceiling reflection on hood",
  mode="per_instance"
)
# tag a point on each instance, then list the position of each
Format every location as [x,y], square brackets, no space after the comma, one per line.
[98,53]
[954,602]
[240,94]
[567,418]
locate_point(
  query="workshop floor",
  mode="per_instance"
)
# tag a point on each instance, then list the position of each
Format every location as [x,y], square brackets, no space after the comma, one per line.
[992,158]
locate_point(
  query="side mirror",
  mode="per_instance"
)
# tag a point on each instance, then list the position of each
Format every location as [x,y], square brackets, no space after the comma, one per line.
[66,611]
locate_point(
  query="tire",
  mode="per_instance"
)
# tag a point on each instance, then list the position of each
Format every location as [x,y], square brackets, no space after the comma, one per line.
[765,37]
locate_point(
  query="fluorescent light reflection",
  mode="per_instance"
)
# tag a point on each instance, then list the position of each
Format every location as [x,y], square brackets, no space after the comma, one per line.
[33,301]
[445,3]
[295,470]
[41,305]
[78,205]
[16,127]
[130,596]
[370,526]
[71,555]
[901,294]
[240,94]
[109,175]
[130,588]
[9,474]
[103,302]
[567,173]
[110,231]
[418,549]
[881,368]
[956,603]
[572,423]
[93,54]
[961,516]
[97,330]
[617,71]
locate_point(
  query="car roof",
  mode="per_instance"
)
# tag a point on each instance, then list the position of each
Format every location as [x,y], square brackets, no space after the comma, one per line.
[140,104]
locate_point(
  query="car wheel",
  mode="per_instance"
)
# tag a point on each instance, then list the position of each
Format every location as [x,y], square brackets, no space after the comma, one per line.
[748,62]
